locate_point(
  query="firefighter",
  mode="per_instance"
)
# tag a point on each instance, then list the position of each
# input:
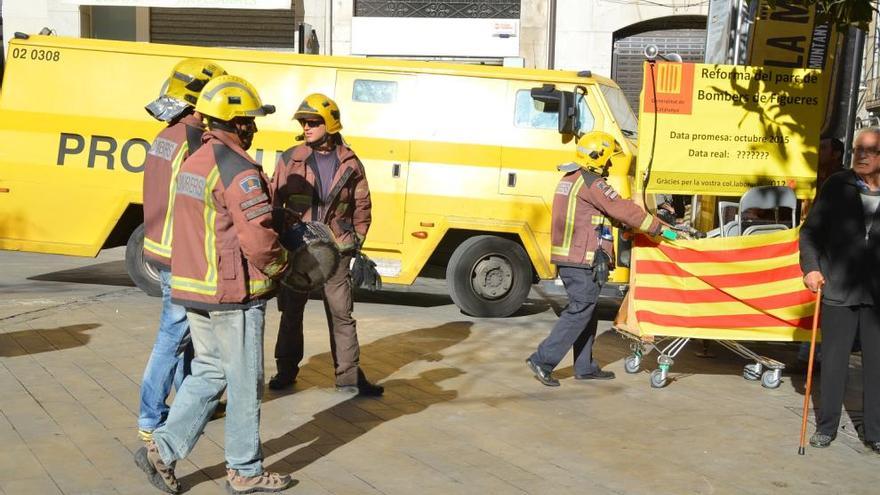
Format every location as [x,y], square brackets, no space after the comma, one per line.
[584,208]
[172,352]
[226,257]
[323,181]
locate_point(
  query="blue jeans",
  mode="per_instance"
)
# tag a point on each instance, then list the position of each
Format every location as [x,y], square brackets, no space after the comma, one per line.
[229,354]
[169,362]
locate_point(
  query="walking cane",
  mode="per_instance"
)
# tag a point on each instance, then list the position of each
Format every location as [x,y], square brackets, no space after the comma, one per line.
[810,371]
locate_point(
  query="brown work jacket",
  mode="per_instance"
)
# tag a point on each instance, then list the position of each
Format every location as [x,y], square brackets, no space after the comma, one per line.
[225,250]
[170,148]
[347,209]
[582,203]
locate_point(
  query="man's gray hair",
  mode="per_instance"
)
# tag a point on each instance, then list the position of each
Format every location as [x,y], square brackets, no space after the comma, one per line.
[873,130]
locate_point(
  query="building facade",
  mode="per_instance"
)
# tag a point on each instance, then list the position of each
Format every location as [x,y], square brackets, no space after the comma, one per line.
[604,36]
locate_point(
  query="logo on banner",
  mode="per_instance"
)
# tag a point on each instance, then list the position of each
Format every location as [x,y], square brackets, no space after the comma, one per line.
[675,88]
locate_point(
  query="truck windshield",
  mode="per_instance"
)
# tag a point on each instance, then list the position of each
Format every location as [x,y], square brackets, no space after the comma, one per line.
[621,110]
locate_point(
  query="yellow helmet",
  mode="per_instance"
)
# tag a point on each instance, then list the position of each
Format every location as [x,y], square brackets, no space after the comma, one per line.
[227,97]
[318,105]
[181,89]
[595,148]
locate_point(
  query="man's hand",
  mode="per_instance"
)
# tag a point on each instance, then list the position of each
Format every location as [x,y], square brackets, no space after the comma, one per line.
[814,280]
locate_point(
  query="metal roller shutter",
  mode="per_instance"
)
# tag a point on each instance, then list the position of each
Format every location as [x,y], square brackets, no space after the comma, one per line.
[629,54]
[275,29]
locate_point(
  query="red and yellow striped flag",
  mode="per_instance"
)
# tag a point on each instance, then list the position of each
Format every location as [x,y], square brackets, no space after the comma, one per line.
[734,288]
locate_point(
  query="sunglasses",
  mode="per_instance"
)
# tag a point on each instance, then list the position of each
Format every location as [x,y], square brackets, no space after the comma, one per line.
[858,150]
[311,123]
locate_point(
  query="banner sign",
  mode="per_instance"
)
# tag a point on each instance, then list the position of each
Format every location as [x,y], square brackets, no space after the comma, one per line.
[192,4]
[721,129]
[788,34]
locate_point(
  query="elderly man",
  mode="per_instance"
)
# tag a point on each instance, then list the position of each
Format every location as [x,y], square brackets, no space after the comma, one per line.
[840,247]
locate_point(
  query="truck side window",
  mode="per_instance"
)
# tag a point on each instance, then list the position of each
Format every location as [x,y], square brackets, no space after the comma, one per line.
[531,114]
[586,121]
[368,91]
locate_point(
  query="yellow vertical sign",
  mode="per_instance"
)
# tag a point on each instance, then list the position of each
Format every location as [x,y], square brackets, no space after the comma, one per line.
[787,34]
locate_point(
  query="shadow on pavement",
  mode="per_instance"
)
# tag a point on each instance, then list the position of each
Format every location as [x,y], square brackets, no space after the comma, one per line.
[348,420]
[398,298]
[27,342]
[109,273]
[851,420]
[331,429]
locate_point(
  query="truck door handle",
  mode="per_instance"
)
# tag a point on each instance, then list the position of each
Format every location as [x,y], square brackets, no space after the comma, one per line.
[395,170]
[511,179]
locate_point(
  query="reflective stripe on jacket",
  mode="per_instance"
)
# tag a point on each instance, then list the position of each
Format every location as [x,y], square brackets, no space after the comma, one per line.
[347,210]
[170,148]
[225,251]
[582,202]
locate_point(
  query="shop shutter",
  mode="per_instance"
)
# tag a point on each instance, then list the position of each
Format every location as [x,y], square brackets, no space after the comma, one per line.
[246,28]
[629,55]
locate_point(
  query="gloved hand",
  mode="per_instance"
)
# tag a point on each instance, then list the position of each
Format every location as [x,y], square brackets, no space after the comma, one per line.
[284,219]
[668,234]
[601,267]
[364,273]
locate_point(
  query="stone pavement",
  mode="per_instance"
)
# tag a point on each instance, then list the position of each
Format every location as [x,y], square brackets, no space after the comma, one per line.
[461,413]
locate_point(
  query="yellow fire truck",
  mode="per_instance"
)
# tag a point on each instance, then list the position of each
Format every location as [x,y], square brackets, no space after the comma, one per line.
[461,159]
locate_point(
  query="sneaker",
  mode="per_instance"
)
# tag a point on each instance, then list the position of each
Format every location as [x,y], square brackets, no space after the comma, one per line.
[542,375]
[161,475]
[145,436]
[821,440]
[264,483]
[281,381]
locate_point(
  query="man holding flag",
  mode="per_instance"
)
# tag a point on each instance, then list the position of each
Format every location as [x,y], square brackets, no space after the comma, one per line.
[582,248]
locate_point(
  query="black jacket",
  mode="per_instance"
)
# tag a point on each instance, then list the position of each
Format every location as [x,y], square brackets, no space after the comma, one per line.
[833,240]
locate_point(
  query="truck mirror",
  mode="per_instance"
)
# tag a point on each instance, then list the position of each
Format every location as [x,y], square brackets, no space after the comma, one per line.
[563,102]
[548,95]
[568,115]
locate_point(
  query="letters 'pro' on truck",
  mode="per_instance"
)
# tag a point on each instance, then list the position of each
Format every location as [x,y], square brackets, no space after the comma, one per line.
[461,160]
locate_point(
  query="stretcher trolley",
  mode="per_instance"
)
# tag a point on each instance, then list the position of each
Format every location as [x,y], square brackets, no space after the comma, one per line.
[729,290]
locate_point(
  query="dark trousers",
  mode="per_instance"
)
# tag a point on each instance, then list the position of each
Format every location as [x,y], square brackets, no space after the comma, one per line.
[840,326]
[338,306]
[576,328]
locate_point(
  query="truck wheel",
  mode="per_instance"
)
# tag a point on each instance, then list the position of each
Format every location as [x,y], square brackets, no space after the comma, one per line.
[489,276]
[142,273]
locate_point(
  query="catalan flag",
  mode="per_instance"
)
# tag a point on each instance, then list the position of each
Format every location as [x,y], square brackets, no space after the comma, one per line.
[734,288]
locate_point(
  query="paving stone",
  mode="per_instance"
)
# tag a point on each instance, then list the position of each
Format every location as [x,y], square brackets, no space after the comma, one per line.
[461,413]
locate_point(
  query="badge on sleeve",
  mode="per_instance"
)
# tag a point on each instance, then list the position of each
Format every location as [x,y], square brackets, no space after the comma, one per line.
[564,188]
[250,183]
[607,190]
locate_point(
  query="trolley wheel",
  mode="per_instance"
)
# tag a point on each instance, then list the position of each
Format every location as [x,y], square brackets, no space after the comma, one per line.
[752,371]
[632,363]
[771,378]
[658,379]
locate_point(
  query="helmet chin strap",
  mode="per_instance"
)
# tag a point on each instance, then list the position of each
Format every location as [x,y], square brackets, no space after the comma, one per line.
[602,171]
[321,142]
[222,125]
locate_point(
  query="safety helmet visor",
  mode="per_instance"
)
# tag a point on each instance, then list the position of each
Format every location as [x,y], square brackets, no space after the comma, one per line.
[166,108]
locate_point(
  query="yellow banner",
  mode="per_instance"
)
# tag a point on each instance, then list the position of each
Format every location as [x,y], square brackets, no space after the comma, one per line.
[721,129]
